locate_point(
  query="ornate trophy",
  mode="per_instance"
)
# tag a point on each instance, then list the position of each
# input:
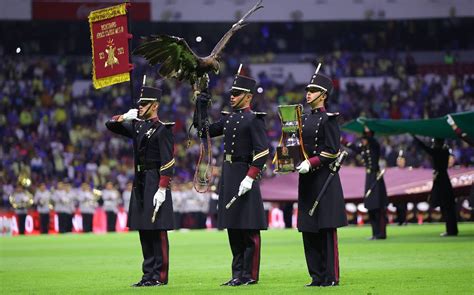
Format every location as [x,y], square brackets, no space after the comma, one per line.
[290,152]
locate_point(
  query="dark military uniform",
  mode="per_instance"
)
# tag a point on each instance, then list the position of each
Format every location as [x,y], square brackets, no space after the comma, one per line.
[442,193]
[154,165]
[245,153]
[321,139]
[376,202]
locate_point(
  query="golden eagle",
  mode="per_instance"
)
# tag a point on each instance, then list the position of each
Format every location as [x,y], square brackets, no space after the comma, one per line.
[179,61]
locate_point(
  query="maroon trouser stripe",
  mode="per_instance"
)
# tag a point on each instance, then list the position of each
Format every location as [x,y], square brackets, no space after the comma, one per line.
[336,256]
[256,256]
[164,252]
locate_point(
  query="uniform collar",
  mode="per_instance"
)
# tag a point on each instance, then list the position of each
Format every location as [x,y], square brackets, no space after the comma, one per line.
[153,120]
[243,110]
[318,110]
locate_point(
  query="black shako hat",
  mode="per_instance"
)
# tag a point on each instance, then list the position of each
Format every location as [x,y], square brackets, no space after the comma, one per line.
[322,82]
[149,94]
[244,83]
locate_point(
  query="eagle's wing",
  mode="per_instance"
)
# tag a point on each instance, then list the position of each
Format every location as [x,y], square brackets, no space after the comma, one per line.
[173,53]
[235,27]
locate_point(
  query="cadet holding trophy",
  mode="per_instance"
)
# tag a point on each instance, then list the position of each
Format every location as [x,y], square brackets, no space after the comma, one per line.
[316,135]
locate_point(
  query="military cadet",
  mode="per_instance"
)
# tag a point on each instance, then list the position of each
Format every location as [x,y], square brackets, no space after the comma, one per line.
[321,139]
[376,201]
[61,206]
[442,191]
[154,166]
[111,200]
[245,153]
[43,202]
[87,206]
[401,205]
[21,200]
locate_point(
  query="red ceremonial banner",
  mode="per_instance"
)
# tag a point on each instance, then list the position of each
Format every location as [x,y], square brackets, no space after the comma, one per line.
[110,52]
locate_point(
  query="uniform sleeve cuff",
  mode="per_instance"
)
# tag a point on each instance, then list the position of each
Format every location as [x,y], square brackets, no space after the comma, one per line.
[458,131]
[253,172]
[165,181]
[314,161]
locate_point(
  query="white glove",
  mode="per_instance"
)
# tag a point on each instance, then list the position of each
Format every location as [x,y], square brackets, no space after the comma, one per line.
[130,115]
[245,185]
[304,167]
[159,198]
[450,120]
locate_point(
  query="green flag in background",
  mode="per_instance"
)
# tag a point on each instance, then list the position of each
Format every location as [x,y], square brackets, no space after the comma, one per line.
[436,127]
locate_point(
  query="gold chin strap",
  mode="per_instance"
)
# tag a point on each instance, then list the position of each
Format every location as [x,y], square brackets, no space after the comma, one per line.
[151,103]
[323,92]
[236,106]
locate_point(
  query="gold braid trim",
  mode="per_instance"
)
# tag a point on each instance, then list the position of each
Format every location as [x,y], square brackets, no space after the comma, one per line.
[111,80]
[261,154]
[108,12]
[329,155]
[168,165]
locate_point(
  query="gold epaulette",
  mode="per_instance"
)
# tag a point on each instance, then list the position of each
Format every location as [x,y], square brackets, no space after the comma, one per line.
[168,124]
[260,114]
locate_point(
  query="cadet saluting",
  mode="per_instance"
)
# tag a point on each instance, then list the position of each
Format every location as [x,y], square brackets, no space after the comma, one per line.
[321,139]
[245,153]
[154,162]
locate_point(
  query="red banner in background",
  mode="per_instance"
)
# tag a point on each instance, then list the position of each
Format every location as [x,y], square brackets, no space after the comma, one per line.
[110,52]
[66,10]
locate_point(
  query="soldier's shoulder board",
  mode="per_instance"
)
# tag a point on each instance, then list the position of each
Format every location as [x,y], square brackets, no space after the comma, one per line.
[225,113]
[333,114]
[168,124]
[260,114]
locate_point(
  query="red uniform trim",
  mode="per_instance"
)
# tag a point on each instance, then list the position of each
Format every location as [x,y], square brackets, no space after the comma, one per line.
[164,252]
[256,257]
[253,172]
[165,181]
[314,161]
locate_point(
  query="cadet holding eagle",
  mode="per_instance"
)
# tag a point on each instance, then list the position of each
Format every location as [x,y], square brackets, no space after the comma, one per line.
[245,153]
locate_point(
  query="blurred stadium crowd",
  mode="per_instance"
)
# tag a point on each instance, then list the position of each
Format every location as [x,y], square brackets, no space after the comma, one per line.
[53,133]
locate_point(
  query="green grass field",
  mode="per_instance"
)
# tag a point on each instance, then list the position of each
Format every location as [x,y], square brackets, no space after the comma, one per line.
[414,260]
